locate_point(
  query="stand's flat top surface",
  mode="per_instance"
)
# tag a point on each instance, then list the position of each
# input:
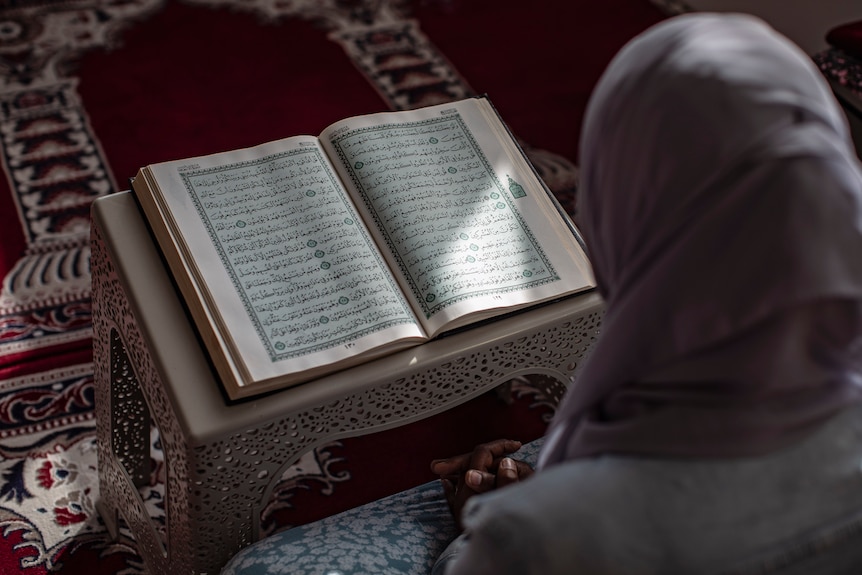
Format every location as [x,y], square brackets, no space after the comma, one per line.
[191,384]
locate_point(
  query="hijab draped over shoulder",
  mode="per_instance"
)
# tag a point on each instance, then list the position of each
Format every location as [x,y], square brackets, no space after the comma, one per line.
[721,204]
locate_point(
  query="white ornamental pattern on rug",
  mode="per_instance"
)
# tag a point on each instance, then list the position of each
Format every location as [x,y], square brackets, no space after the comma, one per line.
[54,167]
[54,491]
[48,479]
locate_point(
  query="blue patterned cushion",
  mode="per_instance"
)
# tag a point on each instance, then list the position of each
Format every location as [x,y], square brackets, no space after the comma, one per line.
[402,534]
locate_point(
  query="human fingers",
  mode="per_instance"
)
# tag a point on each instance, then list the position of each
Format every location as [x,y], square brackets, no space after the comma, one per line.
[479,481]
[507,473]
[485,456]
[452,465]
[524,470]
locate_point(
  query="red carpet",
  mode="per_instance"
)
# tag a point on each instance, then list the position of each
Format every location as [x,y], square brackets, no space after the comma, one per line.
[93,89]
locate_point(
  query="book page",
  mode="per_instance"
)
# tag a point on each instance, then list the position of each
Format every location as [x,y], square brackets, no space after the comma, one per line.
[466,222]
[284,263]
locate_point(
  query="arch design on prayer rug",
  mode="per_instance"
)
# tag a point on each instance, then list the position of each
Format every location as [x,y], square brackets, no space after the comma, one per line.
[54,169]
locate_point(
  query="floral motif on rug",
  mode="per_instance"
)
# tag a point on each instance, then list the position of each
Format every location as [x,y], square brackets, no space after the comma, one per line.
[48,471]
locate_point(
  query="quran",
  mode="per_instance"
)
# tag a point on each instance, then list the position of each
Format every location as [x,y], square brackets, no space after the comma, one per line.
[307,255]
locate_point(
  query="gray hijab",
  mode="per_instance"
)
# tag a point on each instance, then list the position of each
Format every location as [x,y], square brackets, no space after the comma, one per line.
[721,203]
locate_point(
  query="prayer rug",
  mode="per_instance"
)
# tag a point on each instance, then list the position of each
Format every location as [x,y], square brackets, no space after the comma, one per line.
[92,89]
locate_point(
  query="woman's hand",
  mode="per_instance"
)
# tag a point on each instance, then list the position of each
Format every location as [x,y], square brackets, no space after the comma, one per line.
[487,467]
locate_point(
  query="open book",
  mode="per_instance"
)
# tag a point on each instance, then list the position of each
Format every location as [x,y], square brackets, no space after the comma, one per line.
[308,254]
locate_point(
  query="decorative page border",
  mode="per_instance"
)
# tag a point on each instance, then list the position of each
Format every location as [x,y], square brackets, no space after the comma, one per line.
[274,353]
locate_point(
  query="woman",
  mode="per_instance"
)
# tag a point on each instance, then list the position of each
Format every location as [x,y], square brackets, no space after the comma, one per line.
[717,426]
